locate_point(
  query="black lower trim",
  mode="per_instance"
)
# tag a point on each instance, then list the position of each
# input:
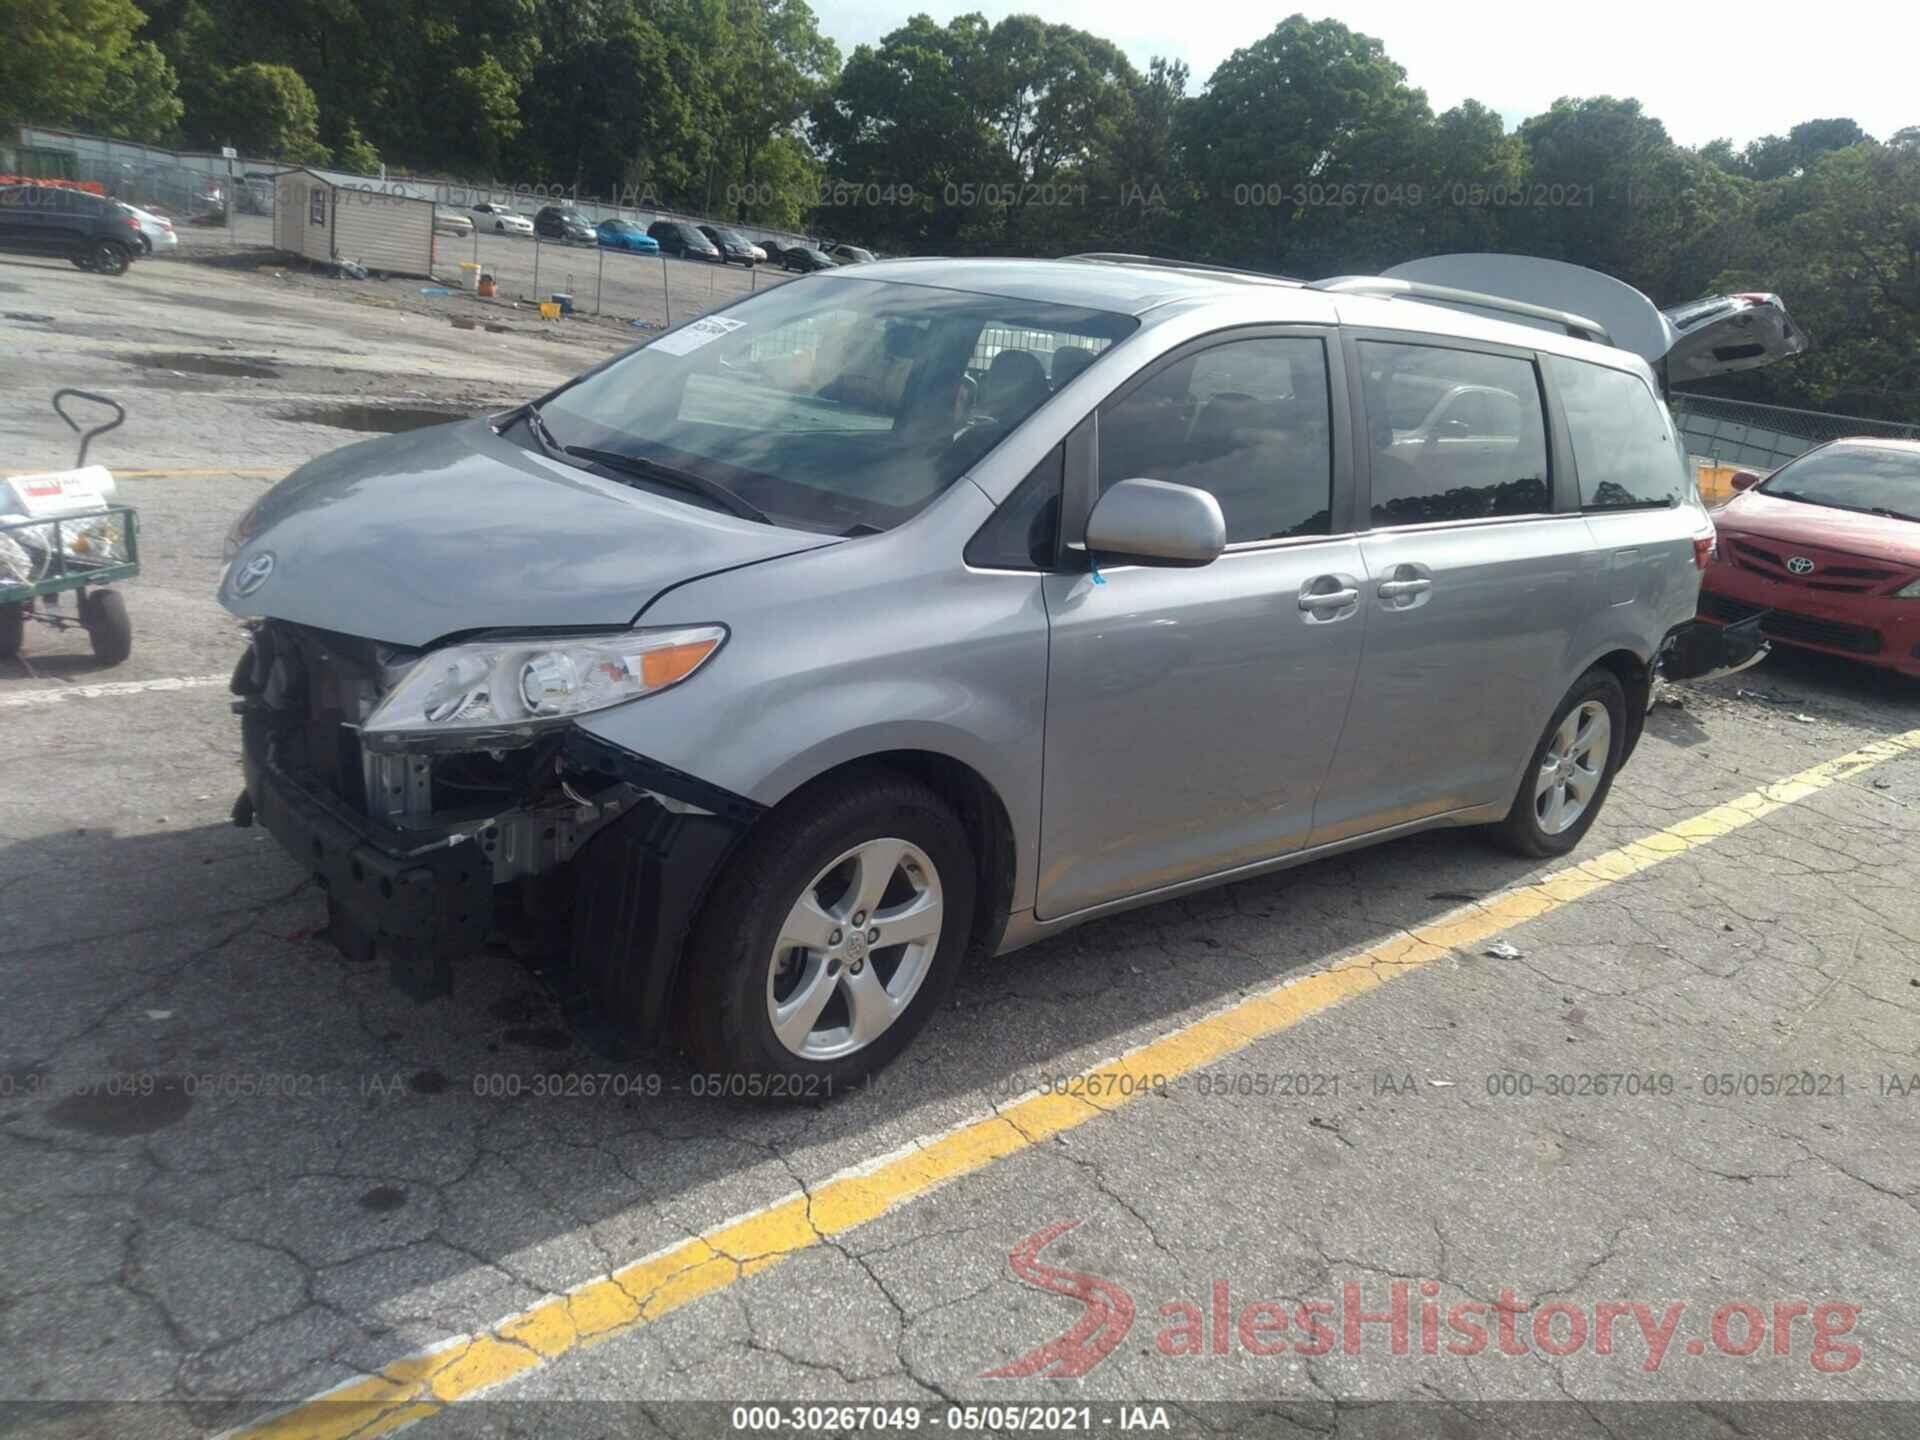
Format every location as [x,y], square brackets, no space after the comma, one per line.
[424,910]
[638,886]
[1792,628]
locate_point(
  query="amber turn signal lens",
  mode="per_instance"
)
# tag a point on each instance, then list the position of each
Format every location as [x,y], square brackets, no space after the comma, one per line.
[673,662]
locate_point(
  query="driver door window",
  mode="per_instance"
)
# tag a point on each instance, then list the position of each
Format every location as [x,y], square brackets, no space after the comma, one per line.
[1247,421]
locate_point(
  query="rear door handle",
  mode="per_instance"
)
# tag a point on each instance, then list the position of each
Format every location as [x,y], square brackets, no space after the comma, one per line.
[1394,589]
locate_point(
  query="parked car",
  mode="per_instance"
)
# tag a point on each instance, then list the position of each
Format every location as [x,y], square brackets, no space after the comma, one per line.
[682,238]
[774,248]
[626,235]
[803,678]
[732,245]
[451,222]
[805,258]
[156,231]
[501,219]
[849,254]
[1826,551]
[93,232]
[564,223]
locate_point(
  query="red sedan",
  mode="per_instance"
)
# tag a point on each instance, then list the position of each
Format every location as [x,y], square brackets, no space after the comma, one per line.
[1829,546]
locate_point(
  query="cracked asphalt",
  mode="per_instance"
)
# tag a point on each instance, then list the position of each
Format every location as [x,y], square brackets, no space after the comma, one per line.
[237,1171]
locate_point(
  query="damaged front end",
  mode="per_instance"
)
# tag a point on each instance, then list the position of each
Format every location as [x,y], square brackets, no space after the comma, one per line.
[433,811]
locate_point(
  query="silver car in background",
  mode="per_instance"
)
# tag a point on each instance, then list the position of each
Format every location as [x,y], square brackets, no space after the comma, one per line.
[770,669]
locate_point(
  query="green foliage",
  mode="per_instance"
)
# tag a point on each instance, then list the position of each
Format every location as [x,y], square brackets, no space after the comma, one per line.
[353,152]
[263,109]
[68,62]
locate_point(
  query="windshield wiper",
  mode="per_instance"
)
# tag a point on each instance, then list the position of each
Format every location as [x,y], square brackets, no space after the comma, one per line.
[643,469]
[537,428]
[1891,514]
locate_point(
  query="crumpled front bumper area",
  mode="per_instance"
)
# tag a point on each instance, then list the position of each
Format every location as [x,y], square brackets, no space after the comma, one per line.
[425,907]
[574,844]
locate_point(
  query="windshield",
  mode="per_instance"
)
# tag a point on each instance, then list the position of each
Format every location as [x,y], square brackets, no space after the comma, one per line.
[1852,477]
[834,402]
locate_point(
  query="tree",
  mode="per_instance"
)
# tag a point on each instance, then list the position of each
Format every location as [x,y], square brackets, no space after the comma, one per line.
[269,110]
[354,153]
[62,61]
[1283,126]
[1840,243]
[1773,157]
[139,99]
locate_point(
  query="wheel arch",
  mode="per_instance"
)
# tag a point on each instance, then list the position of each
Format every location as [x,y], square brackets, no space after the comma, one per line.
[973,799]
[1636,679]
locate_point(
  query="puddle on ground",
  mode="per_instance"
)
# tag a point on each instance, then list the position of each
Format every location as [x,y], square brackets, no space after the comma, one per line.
[383,1199]
[427,1082]
[492,327]
[233,367]
[123,1105]
[378,419]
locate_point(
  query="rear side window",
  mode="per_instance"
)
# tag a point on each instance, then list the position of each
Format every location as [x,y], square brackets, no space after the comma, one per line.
[1247,420]
[1623,444]
[1454,434]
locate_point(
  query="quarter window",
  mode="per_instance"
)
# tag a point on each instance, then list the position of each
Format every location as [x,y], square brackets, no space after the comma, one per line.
[1454,434]
[1623,445]
[1247,420]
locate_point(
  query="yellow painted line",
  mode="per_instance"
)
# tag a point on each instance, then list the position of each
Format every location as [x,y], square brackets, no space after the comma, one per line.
[637,1294]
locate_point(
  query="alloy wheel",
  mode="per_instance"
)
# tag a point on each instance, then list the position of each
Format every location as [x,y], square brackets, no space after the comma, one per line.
[1573,767]
[854,949]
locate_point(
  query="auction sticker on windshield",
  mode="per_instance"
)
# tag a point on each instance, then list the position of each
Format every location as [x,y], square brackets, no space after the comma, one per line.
[689,338]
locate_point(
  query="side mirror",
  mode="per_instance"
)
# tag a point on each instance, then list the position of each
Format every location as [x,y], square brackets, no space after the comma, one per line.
[1745,479]
[1153,522]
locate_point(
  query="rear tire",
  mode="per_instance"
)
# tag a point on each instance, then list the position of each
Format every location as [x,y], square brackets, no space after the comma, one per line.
[1567,768]
[13,630]
[884,849]
[104,614]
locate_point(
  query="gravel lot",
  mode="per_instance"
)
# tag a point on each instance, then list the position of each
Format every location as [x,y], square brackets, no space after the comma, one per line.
[237,1171]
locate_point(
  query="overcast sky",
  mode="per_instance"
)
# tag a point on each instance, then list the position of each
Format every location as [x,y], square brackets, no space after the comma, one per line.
[1705,67]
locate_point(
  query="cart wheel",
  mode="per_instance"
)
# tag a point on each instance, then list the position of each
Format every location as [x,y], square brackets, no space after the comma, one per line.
[13,625]
[104,614]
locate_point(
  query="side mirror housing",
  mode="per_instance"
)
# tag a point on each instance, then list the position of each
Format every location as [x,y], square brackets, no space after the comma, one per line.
[1745,479]
[1154,522]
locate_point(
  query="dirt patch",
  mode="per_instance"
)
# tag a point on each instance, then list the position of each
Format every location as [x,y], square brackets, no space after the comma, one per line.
[373,419]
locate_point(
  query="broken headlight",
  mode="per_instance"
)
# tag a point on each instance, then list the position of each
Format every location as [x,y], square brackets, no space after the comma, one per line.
[499,694]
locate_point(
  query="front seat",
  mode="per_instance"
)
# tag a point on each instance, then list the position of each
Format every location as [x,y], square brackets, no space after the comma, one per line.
[1015,386]
[1069,361]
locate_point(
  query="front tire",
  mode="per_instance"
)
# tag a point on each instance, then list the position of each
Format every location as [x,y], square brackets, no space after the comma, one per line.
[1571,771]
[108,626]
[13,630]
[108,257]
[833,937]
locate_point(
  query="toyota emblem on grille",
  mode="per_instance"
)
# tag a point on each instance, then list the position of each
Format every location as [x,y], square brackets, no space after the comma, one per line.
[1798,564]
[252,575]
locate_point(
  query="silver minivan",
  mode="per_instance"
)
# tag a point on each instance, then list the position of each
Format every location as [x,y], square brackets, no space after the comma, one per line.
[770,669]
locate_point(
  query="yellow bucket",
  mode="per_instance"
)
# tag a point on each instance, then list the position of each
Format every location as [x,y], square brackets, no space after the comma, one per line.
[549,310]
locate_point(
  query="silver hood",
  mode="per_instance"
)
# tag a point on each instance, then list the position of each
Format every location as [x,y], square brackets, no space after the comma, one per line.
[410,538]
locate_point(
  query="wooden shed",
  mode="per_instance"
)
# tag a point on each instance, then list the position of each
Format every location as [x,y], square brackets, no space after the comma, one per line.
[326,215]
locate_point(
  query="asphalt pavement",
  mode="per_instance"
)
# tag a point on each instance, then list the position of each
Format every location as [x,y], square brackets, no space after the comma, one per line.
[1624,1144]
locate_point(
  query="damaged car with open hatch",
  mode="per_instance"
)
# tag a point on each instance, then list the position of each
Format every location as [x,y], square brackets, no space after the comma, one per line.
[768,670]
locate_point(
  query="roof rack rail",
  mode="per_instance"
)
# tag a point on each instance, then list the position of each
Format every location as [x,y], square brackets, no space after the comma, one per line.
[1577,326]
[1163,262]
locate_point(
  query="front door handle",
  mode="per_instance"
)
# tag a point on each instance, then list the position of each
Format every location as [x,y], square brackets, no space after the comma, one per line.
[1328,599]
[1394,589]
